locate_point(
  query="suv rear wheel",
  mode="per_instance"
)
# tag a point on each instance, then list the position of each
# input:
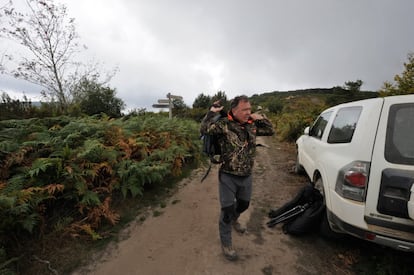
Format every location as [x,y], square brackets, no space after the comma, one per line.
[324,227]
[298,167]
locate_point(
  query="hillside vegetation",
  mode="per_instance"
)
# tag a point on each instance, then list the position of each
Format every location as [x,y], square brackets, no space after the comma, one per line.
[61,176]
[292,111]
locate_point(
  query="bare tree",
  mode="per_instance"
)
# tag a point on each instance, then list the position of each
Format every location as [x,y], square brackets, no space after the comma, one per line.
[49,35]
[3,6]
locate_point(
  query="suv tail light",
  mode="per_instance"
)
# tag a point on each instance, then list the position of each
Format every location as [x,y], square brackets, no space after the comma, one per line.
[352,180]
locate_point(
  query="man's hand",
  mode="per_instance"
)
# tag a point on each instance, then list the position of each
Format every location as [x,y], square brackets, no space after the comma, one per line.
[216,107]
[256,116]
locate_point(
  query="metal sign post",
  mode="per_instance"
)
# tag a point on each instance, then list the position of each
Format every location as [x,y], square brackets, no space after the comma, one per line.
[167,103]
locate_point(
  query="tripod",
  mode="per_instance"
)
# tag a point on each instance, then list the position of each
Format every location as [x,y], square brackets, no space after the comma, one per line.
[288,214]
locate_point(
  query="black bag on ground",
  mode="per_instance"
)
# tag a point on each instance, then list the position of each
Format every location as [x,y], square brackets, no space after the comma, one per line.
[306,222]
[300,215]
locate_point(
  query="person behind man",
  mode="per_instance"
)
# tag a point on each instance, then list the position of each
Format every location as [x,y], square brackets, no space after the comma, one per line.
[237,138]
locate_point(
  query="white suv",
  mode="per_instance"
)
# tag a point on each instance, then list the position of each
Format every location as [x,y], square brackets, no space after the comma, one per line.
[360,155]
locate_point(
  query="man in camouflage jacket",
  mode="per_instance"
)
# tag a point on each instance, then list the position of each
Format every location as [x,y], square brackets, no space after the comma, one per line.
[237,138]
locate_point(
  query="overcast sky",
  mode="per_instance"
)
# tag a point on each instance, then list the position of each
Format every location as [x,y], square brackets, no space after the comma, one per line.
[189,47]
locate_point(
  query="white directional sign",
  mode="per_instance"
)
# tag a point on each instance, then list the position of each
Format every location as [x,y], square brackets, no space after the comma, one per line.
[174,96]
[167,102]
[160,105]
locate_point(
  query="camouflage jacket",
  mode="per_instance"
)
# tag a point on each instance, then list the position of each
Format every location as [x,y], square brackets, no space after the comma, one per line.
[237,141]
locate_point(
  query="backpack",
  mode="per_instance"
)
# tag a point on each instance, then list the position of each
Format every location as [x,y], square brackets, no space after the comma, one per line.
[306,222]
[302,214]
[211,146]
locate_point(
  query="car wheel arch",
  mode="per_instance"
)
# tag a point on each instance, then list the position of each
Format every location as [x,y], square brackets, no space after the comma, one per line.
[318,180]
[316,176]
[325,228]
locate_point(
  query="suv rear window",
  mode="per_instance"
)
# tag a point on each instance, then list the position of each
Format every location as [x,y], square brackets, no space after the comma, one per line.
[399,143]
[344,125]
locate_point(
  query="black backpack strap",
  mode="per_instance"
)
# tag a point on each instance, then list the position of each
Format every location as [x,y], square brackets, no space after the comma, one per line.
[208,171]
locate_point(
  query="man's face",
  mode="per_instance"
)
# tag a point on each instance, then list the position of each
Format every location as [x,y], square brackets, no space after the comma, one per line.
[242,111]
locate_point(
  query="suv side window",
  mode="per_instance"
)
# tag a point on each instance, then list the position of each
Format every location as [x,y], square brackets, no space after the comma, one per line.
[320,124]
[399,142]
[344,124]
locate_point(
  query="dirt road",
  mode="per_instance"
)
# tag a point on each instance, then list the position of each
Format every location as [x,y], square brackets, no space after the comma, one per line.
[184,238]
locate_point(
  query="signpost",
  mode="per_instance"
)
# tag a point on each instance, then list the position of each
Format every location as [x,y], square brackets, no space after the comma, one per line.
[160,106]
[170,96]
[167,103]
[164,101]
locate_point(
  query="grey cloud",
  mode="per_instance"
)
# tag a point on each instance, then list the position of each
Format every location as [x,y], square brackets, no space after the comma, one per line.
[240,46]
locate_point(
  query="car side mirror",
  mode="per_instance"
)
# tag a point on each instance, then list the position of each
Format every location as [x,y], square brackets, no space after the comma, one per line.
[306,131]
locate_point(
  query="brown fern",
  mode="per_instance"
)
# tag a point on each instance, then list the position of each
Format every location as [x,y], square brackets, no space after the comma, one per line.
[112,135]
[51,189]
[125,148]
[103,211]
[16,158]
[177,166]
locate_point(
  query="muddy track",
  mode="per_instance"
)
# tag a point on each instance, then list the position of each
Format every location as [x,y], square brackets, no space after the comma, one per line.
[184,238]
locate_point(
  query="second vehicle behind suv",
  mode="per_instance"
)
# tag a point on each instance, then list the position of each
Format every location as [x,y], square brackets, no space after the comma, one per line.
[361,157]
